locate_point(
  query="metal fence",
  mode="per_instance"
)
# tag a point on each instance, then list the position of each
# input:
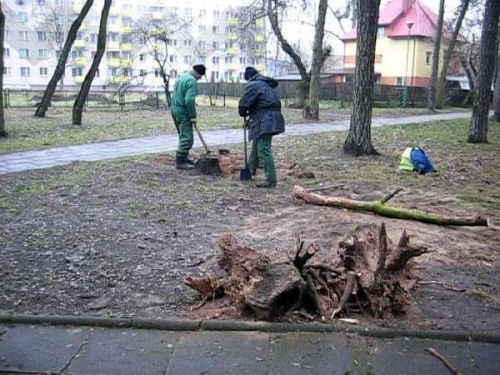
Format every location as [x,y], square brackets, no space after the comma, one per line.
[217,93]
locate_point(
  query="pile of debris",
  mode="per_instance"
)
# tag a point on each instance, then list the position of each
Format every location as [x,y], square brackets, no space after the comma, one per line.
[367,275]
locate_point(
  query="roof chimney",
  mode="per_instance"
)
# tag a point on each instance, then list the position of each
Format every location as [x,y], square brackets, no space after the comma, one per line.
[407,4]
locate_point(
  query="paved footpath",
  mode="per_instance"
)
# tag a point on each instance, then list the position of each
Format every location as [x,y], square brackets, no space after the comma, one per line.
[39,349]
[47,158]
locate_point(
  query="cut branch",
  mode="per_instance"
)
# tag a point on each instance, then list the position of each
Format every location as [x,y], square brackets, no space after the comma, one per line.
[382,209]
[447,363]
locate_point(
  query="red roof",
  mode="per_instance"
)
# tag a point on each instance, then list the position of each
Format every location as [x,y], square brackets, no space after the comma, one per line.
[394,18]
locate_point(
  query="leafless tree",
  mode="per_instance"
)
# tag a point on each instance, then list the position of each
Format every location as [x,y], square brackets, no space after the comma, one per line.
[358,140]
[3,132]
[61,62]
[431,100]
[87,82]
[440,86]
[478,131]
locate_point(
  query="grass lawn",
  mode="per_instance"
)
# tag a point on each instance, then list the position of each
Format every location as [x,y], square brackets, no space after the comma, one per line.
[102,124]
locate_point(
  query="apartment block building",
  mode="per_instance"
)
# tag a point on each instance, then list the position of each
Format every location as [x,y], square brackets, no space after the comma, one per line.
[197,32]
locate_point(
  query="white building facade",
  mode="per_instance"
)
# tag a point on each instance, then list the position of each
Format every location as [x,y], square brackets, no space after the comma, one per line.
[198,32]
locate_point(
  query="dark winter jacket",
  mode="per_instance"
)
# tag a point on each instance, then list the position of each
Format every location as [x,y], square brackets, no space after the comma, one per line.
[261,102]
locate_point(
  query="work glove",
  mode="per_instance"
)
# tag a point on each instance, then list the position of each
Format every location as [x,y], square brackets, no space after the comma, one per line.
[246,123]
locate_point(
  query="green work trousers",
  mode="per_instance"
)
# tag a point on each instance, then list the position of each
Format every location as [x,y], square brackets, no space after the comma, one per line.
[262,154]
[184,127]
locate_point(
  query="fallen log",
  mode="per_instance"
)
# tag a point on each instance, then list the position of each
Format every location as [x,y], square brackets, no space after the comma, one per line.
[381,208]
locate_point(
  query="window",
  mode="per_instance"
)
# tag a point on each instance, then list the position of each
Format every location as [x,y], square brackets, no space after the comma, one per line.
[80,35]
[127,22]
[77,72]
[187,43]
[23,35]
[428,58]
[172,58]
[7,35]
[6,71]
[401,81]
[215,45]
[228,59]
[127,72]
[157,73]
[112,37]
[202,45]
[44,72]
[127,55]
[215,29]
[202,29]
[25,71]
[113,72]
[173,73]
[187,59]
[216,14]
[142,57]
[93,38]
[77,53]
[203,13]
[21,2]
[243,61]
[215,59]
[60,19]
[172,42]
[6,52]
[216,75]
[143,73]
[42,36]
[24,53]
[43,54]
[113,54]
[22,17]
[381,31]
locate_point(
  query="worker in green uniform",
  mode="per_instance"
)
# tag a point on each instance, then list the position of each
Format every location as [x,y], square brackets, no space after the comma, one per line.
[183,111]
[261,103]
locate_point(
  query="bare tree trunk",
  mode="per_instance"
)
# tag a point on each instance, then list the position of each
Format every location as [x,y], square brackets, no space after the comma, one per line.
[166,84]
[3,132]
[478,131]
[440,87]
[87,82]
[358,140]
[312,110]
[61,63]
[496,92]
[431,99]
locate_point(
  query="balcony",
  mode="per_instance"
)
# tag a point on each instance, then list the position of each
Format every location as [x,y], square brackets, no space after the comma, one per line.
[126,63]
[114,63]
[113,46]
[127,47]
[232,36]
[259,53]
[232,66]
[79,43]
[259,38]
[157,16]
[127,14]
[114,11]
[83,27]
[80,61]
[119,80]
[259,67]
[79,79]
[232,51]
[126,30]
[260,22]
[114,28]
[232,21]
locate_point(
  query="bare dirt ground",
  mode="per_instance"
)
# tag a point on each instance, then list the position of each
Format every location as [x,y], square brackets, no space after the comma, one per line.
[116,238]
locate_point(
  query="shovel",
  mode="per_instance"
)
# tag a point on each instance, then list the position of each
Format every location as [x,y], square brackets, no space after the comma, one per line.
[208,163]
[245,173]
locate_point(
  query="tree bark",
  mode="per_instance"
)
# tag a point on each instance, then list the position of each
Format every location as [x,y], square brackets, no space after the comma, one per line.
[358,140]
[3,132]
[379,207]
[440,86]
[87,82]
[312,110]
[61,63]
[496,94]
[431,99]
[478,131]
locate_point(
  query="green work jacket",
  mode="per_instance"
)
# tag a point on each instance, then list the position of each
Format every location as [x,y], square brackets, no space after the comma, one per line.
[184,96]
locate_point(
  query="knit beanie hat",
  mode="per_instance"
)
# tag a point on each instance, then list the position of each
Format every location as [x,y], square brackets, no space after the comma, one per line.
[200,69]
[250,72]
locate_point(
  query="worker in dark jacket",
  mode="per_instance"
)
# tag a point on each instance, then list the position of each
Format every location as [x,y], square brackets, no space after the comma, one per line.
[261,103]
[183,111]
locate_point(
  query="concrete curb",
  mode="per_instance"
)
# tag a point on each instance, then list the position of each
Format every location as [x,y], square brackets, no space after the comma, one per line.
[228,326]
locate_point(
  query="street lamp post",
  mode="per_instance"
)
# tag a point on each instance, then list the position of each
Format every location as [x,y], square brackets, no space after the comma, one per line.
[409,24]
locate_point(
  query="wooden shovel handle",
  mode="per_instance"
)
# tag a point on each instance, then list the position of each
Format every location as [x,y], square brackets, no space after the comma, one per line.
[207,150]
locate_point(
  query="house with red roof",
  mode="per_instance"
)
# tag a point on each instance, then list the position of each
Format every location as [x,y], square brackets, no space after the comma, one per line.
[405,44]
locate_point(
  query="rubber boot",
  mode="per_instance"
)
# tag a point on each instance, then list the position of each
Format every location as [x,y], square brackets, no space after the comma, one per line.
[181,163]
